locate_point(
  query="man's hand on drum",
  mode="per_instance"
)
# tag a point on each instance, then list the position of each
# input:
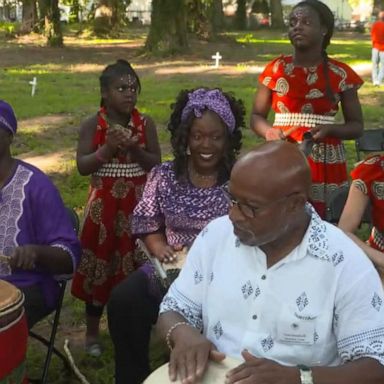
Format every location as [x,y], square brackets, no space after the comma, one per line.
[261,371]
[24,257]
[190,355]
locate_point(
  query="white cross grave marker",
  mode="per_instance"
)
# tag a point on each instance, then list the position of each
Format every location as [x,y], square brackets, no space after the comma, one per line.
[217,59]
[34,85]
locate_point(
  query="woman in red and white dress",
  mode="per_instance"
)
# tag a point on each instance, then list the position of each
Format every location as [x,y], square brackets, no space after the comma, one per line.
[305,90]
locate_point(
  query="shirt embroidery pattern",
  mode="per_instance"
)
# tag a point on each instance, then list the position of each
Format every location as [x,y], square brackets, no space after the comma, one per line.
[218,330]
[247,289]
[337,258]
[267,344]
[302,301]
[376,302]
[12,207]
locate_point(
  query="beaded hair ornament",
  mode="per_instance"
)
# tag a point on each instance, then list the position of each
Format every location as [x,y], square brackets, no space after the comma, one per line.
[202,99]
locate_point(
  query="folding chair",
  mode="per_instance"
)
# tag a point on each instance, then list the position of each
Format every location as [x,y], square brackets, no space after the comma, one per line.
[336,203]
[372,140]
[50,343]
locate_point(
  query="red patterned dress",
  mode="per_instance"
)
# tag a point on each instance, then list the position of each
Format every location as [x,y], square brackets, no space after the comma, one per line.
[299,100]
[368,177]
[106,237]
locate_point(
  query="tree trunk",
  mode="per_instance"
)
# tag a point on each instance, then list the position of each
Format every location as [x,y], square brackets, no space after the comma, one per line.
[277,14]
[29,16]
[241,14]
[52,26]
[217,15]
[167,33]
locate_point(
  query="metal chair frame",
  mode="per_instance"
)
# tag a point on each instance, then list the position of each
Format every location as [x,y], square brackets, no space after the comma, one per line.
[336,203]
[50,343]
[372,140]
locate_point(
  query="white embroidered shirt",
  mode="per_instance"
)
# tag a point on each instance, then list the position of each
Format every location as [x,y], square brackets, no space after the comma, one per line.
[323,304]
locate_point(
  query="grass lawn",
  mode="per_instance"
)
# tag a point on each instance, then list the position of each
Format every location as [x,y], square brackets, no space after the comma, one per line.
[68,91]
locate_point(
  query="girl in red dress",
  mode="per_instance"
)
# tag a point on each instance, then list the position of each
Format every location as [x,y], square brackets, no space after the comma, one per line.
[305,90]
[117,147]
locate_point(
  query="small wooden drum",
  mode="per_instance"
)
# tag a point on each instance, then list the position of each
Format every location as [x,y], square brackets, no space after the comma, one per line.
[215,373]
[13,335]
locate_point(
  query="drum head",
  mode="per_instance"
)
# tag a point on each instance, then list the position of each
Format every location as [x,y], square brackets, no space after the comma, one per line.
[215,373]
[9,295]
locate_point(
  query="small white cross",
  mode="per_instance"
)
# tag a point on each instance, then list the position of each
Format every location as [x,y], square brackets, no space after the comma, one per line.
[217,58]
[34,85]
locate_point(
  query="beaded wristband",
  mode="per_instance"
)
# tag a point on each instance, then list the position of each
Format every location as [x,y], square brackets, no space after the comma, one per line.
[169,333]
[100,157]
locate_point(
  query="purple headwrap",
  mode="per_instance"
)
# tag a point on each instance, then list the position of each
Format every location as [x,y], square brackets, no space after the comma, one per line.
[214,100]
[7,117]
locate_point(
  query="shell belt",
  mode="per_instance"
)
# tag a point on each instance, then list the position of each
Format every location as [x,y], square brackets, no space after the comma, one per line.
[301,119]
[120,170]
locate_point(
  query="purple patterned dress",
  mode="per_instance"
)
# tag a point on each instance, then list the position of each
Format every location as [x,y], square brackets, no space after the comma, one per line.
[180,209]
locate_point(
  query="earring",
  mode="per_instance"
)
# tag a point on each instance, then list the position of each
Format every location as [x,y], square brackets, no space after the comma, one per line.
[188,151]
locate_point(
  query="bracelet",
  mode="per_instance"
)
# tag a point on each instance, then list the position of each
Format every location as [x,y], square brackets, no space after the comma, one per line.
[100,157]
[169,333]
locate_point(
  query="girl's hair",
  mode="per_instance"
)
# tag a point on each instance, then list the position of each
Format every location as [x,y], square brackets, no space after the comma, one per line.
[328,21]
[118,69]
[180,132]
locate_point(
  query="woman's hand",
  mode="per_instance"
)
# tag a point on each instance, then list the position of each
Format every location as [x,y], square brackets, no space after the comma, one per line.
[274,134]
[165,253]
[321,131]
[114,139]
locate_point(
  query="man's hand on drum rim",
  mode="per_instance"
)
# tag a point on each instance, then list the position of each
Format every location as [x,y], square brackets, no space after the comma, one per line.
[260,370]
[190,355]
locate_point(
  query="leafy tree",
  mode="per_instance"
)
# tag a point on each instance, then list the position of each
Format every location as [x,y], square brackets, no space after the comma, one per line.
[260,6]
[109,14]
[168,32]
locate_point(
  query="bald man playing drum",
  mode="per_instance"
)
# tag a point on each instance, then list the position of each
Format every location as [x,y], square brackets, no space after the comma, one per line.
[276,287]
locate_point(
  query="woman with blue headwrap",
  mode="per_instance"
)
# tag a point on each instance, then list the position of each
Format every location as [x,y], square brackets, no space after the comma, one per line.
[180,198]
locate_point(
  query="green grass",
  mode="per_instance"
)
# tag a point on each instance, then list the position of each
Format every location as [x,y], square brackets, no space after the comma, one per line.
[68,91]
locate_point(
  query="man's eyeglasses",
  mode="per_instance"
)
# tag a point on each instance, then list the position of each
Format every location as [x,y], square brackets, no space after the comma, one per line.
[246,209]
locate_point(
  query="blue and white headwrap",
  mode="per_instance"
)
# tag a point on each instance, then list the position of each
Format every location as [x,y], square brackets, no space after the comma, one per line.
[202,99]
[7,118]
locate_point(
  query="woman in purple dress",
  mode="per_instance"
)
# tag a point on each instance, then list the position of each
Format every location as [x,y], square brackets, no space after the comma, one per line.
[180,198]
[37,240]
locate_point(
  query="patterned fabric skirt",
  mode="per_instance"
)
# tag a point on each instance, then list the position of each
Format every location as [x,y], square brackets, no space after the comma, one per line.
[328,167]
[376,239]
[329,172]
[108,246]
